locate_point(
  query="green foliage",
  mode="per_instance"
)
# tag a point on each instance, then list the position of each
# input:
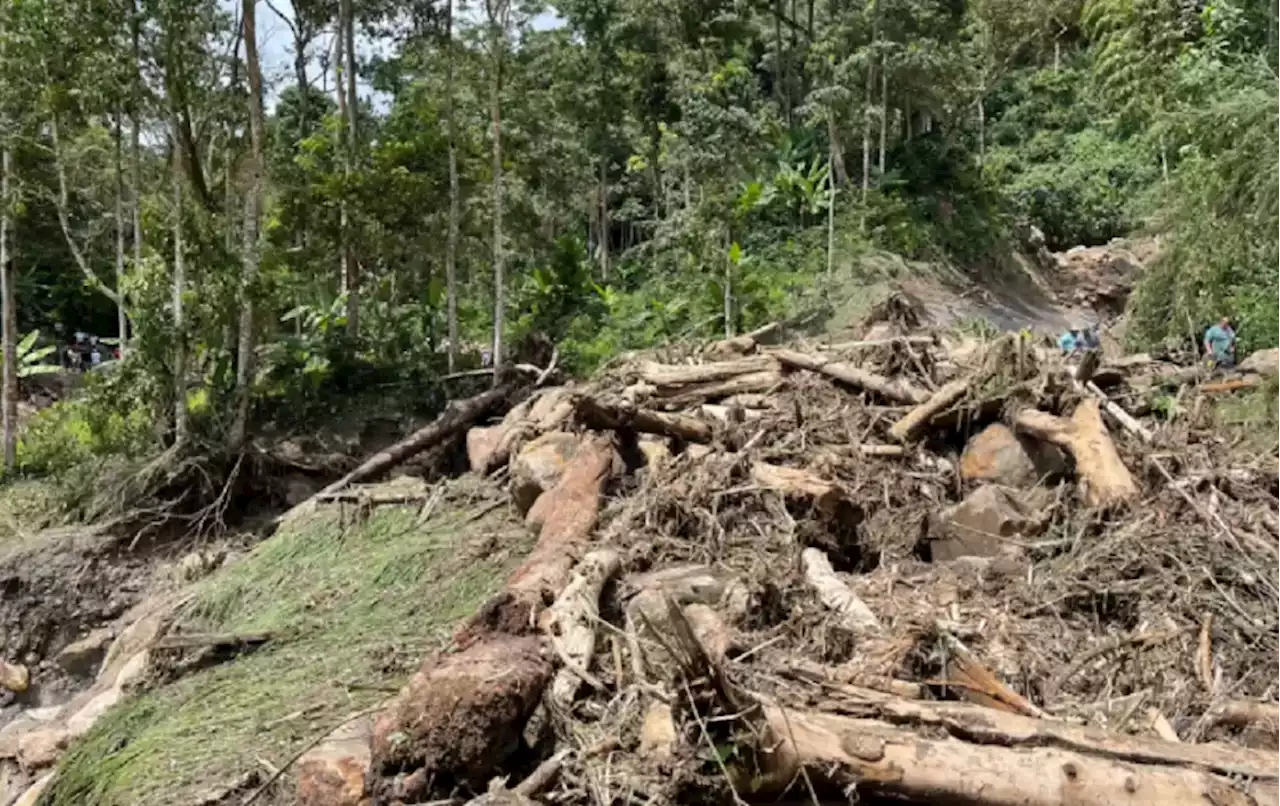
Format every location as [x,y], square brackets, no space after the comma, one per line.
[76,432]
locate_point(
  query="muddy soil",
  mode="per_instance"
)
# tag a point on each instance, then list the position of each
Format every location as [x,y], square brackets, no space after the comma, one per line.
[58,586]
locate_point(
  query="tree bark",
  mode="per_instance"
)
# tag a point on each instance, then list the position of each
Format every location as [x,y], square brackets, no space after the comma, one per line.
[1104,479]
[497,11]
[602,414]
[451,243]
[8,307]
[122,319]
[890,389]
[180,423]
[919,417]
[674,376]
[884,113]
[252,225]
[570,622]
[604,218]
[135,145]
[1003,765]
[455,417]
[353,143]
[835,594]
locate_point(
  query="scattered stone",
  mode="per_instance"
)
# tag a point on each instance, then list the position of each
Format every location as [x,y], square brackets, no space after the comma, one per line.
[656,451]
[14,676]
[1263,362]
[999,455]
[979,524]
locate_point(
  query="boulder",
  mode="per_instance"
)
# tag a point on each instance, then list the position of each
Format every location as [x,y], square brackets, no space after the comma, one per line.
[1263,362]
[979,525]
[83,657]
[14,676]
[482,444]
[999,455]
[333,772]
[539,465]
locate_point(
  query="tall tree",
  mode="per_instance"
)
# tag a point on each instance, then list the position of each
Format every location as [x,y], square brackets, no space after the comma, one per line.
[252,249]
[451,238]
[8,303]
[499,12]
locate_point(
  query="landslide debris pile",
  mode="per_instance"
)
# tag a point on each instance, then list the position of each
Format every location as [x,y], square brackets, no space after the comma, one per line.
[914,569]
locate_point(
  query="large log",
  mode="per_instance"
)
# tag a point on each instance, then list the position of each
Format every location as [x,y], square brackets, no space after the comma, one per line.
[995,768]
[570,622]
[895,390]
[620,416]
[1104,479]
[744,344]
[827,497]
[751,382]
[669,375]
[461,715]
[939,401]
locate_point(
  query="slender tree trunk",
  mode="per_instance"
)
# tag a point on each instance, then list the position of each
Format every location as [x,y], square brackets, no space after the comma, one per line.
[884,112]
[302,38]
[451,244]
[497,33]
[252,226]
[1164,159]
[180,424]
[1057,54]
[982,132]
[728,286]
[135,145]
[604,219]
[344,216]
[8,306]
[122,319]
[831,214]
[837,153]
[62,203]
[353,265]
[866,106]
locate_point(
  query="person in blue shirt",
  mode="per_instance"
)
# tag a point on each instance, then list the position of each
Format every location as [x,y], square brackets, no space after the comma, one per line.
[1220,343]
[1069,342]
[1088,339]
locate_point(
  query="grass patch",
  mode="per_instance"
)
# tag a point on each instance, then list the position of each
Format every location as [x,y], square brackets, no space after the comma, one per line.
[357,610]
[1253,415]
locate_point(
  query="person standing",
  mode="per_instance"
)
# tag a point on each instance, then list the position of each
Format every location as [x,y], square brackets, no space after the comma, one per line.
[1220,344]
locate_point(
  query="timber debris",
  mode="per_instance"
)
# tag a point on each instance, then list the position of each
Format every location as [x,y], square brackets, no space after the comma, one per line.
[772,573]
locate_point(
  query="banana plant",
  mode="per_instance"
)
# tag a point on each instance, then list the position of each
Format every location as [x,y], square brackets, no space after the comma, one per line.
[31,358]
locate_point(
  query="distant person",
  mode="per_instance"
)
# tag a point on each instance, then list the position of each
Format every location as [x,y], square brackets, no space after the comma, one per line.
[1069,342]
[1089,339]
[486,357]
[1220,344]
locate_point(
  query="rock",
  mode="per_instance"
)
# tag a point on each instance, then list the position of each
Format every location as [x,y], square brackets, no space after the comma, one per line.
[977,526]
[14,676]
[539,466]
[333,772]
[299,488]
[1263,362]
[41,747]
[83,657]
[999,455]
[658,732]
[482,443]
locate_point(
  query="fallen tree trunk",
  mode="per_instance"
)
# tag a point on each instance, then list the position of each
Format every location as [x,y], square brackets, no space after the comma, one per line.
[878,758]
[741,345]
[751,382]
[570,622]
[456,416]
[621,417]
[897,391]
[829,498]
[916,419]
[1104,479]
[461,715]
[852,612]
[668,375]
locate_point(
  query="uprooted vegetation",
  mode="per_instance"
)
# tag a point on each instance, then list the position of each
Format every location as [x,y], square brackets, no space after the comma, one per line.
[917,566]
[912,567]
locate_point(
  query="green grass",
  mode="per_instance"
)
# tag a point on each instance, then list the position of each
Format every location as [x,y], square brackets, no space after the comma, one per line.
[356,610]
[1252,414]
